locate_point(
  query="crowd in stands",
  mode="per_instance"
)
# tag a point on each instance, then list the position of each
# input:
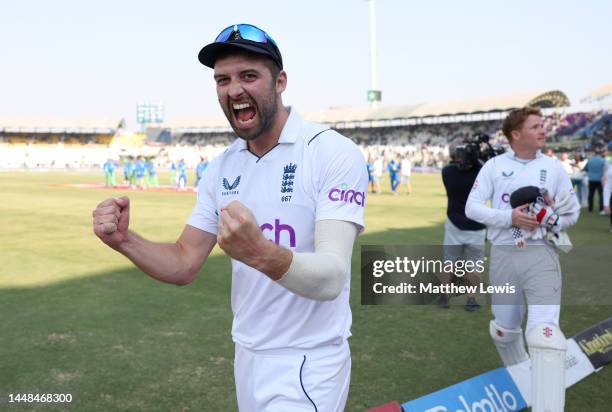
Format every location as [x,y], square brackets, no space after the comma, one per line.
[426,145]
[203,139]
[429,134]
[566,124]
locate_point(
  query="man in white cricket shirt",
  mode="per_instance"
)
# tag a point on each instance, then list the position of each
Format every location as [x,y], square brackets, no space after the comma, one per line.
[406,172]
[607,196]
[285,201]
[534,267]
[377,171]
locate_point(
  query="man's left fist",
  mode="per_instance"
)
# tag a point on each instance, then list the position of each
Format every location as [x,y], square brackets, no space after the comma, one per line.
[239,234]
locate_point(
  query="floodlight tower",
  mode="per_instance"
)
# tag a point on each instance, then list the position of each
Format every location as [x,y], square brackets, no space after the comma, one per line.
[374,95]
[149,114]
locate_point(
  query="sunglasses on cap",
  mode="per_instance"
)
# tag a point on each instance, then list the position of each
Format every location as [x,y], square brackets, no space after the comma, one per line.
[246,32]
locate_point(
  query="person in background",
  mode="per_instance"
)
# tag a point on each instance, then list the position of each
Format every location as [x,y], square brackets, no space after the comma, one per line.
[393,169]
[181,175]
[532,265]
[595,169]
[152,180]
[109,173]
[464,238]
[127,171]
[578,176]
[567,164]
[370,167]
[173,181]
[140,171]
[405,173]
[377,170]
[200,168]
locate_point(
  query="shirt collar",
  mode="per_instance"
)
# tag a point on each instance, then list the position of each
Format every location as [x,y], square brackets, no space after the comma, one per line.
[512,155]
[288,134]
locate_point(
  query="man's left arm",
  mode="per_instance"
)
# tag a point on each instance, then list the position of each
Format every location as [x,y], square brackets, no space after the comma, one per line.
[320,275]
[340,183]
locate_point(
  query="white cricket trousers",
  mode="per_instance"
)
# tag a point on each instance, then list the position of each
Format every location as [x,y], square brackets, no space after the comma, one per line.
[289,380]
[536,274]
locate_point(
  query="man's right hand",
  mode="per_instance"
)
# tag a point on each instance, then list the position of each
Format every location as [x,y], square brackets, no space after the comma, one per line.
[520,218]
[111,219]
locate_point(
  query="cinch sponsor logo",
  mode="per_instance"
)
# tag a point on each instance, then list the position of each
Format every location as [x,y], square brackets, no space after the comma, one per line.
[340,194]
[279,228]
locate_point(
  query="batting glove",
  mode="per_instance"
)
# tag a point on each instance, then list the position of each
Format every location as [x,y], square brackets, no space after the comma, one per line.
[545,215]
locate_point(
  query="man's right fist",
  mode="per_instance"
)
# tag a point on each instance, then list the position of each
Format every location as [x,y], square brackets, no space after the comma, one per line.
[111,219]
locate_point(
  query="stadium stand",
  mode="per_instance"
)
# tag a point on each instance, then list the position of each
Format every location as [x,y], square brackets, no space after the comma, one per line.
[27,129]
[421,131]
[599,95]
[428,123]
[55,142]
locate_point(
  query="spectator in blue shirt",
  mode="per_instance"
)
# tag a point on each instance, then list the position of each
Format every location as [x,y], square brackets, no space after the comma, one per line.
[140,171]
[173,174]
[152,173]
[370,167]
[182,175]
[200,168]
[109,173]
[394,175]
[128,171]
[595,170]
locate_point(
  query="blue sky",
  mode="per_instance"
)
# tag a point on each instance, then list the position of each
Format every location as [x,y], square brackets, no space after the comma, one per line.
[77,58]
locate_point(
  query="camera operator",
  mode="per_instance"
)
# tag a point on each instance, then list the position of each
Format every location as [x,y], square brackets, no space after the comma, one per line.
[463,238]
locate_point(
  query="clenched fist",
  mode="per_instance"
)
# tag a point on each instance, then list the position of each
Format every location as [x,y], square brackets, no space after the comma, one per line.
[239,234]
[111,219]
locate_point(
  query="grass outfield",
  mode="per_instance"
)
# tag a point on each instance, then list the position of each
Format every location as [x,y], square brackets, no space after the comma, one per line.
[78,318]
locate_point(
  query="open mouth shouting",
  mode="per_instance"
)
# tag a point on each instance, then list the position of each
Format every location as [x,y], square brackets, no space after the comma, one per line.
[244,113]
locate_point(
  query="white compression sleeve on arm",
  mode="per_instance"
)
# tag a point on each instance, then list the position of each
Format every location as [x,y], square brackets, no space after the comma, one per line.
[320,275]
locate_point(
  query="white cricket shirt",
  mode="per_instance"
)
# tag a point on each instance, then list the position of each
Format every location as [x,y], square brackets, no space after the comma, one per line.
[502,175]
[377,168]
[406,167]
[607,185]
[312,174]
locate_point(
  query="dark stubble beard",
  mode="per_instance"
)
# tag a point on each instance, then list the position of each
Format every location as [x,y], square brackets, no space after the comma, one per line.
[266,110]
